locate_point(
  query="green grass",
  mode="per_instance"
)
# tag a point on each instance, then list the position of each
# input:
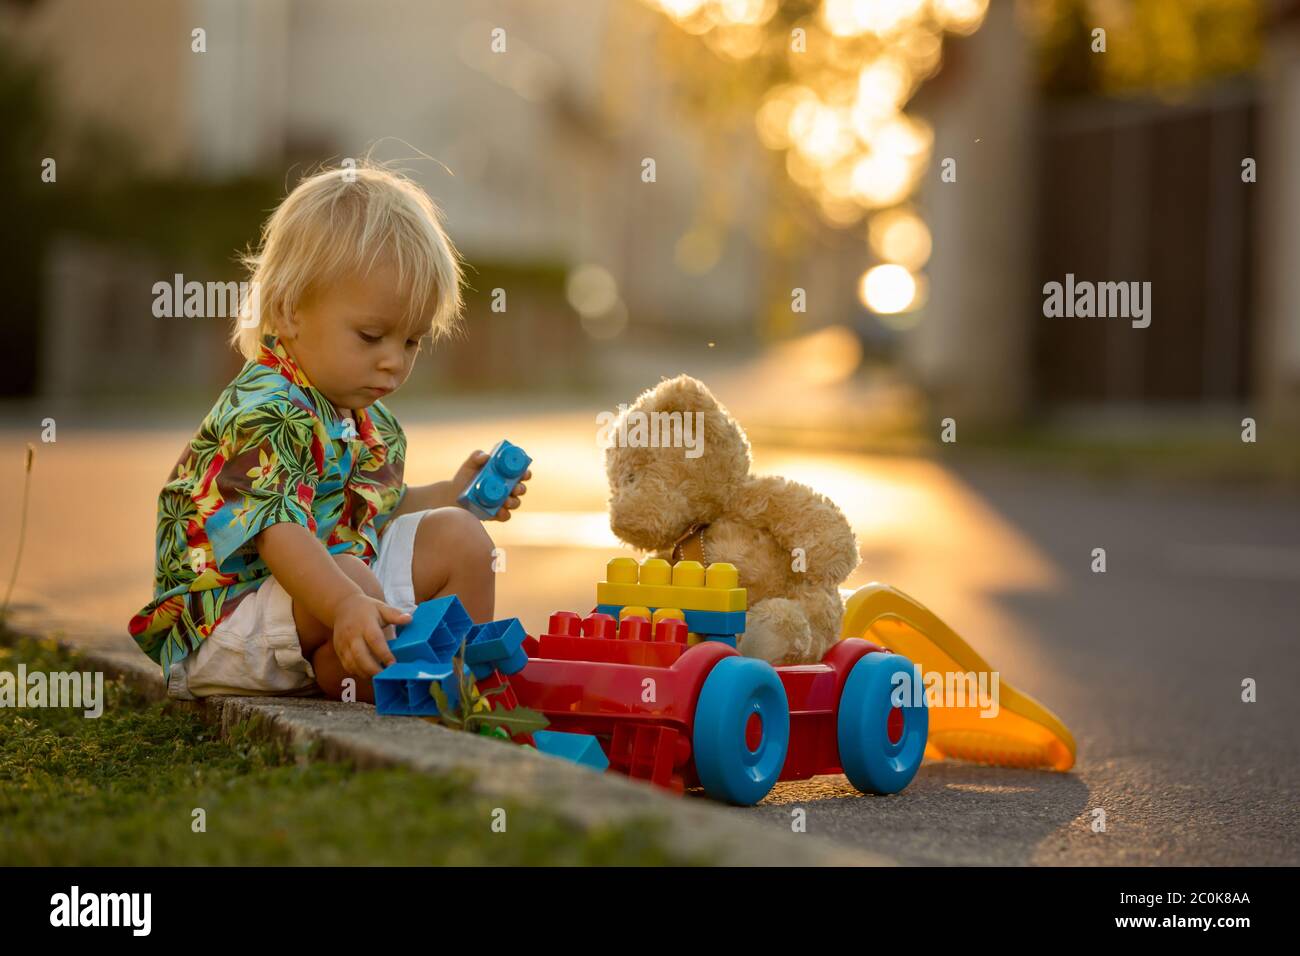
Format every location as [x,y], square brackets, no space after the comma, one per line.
[121,790]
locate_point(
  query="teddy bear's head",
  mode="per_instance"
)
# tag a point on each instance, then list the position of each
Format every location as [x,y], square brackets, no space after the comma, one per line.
[675,458]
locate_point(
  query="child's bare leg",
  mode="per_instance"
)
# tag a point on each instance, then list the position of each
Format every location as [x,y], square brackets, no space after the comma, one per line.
[330,675]
[317,640]
[453,555]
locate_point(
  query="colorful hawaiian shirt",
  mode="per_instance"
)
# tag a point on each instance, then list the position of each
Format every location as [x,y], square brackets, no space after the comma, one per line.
[272,449]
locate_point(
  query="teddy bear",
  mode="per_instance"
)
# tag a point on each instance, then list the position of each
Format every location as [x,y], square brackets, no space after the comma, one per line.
[680,488]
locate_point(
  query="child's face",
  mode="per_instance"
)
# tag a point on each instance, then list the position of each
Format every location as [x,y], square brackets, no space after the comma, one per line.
[348,339]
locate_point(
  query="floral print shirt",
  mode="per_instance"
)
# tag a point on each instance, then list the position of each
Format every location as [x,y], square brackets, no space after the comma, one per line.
[272,449]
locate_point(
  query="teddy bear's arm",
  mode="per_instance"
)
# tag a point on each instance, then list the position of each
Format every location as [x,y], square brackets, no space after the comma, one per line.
[796,628]
[798,517]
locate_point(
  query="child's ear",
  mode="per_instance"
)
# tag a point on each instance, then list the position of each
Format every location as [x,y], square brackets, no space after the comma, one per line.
[287,323]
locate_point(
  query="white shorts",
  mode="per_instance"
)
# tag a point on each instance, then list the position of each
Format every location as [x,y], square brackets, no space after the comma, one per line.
[256,650]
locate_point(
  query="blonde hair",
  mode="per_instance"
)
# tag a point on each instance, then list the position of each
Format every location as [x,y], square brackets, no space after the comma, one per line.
[340,222]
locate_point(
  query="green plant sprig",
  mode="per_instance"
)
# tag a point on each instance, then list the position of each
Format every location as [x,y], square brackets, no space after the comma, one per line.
[468,716]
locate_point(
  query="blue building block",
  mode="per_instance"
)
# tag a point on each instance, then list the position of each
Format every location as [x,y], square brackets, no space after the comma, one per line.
[402,689]
[436,631]
[426,648]
[582,749]
[496,645]
[698,622]
[495,481]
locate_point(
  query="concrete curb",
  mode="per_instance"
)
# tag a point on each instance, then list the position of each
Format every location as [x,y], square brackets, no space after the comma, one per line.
[355,733]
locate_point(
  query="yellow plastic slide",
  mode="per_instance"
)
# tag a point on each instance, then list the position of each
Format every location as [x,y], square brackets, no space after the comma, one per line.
[1022,733]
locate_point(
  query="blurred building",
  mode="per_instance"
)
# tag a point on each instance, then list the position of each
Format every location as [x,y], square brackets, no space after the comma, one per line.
[1275,362]
[1112,187]
[536,153]
[537,158]
[970,349]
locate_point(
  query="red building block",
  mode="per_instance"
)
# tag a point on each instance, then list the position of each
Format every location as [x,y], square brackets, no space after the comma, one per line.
[634,629]
[598,637]
[671,630]
[506,700]
[600,626]
[651,752]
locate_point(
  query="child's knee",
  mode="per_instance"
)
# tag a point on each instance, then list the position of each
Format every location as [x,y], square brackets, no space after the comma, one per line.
[359,572]
[455,531]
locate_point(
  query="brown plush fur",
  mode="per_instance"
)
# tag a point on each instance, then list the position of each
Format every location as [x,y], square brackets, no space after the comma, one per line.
[755,523]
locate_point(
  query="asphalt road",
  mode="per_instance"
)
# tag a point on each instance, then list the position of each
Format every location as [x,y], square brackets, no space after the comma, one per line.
[1144,663]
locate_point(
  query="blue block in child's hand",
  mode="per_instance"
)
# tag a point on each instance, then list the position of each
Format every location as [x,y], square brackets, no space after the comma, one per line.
[436,631]
[490,488]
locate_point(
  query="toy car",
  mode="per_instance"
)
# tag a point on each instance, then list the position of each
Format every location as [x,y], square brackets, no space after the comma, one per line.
[684,715]
[663,695]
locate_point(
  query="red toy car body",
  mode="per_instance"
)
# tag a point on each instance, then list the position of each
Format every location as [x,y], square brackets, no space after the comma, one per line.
[685,716]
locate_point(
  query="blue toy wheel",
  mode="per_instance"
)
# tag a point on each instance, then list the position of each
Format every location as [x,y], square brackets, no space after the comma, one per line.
[742,730]
[881,745]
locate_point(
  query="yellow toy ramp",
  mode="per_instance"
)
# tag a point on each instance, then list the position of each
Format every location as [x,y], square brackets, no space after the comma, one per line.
[1023,733]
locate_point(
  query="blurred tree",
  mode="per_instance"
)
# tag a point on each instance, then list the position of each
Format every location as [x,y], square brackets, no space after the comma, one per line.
[1166,47]
[826,84]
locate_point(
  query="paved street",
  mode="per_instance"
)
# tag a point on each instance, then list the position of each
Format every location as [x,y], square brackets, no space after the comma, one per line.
[1144,663]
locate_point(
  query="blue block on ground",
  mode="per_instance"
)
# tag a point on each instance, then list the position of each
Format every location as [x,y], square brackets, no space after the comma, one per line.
[582,749]
[402,689]
[490,488]
[436,631]
[698,622]
[496,645]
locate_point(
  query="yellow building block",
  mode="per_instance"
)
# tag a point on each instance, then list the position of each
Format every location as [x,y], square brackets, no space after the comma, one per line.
[686,585]
[621,571]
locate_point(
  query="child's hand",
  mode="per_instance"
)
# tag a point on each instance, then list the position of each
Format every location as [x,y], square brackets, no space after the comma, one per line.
[360,641]
[473,465]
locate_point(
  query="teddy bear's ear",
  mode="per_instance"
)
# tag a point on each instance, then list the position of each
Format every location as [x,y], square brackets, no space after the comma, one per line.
[726,447]
[682,394]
